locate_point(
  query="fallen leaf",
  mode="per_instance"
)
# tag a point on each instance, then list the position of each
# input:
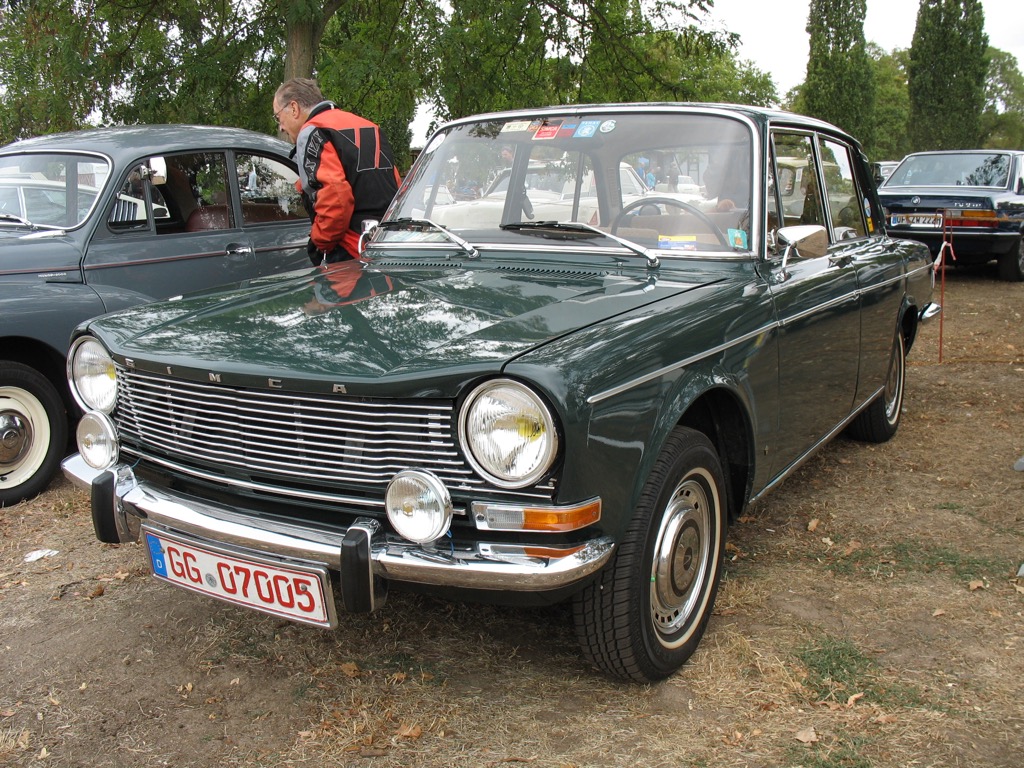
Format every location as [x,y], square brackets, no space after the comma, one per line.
[1019,588]
[827,541]
[977,584]
[6,713]
[813,525]
[350,669]
[97,592]
[885,719]
[807,736]
[938,612]
[410,731]
[43,753]
[854,699]
[852,547]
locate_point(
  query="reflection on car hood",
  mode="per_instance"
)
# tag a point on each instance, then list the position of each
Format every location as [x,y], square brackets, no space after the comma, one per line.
[366,322]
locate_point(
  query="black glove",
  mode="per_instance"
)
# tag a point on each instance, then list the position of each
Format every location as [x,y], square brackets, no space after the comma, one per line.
[314,253]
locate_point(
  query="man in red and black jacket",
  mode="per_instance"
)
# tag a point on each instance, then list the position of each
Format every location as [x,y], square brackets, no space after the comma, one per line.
[346,168]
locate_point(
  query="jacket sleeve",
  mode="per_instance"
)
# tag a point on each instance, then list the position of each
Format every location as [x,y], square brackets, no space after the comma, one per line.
[334,199]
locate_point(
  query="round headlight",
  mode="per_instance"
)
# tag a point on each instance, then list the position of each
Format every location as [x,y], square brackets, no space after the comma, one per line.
[419,506]
[508,433]
[97,440]
[92,375]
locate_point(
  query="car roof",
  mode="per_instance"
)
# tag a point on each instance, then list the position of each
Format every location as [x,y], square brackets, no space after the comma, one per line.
[759,114]
[131,141]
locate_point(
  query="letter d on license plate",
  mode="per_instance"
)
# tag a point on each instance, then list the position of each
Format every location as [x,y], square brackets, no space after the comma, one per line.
[296,593]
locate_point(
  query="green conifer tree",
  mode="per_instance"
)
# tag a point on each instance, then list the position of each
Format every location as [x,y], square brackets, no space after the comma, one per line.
[946,75]
[840,84]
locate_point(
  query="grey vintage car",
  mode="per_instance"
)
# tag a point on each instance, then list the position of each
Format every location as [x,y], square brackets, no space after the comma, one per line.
[103,219]
[521,401]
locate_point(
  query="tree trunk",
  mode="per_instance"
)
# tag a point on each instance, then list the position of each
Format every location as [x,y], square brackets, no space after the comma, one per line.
[302,39]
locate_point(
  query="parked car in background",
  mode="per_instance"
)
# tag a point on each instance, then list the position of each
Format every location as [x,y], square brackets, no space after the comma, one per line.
[103,219]
[881,170]
[514,408]
[974,197]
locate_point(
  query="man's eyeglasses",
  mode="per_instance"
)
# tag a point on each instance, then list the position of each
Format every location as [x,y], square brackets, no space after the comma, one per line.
[277,119]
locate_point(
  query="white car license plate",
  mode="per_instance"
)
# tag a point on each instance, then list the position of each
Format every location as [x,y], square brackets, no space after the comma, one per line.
[299,594]
[929,220]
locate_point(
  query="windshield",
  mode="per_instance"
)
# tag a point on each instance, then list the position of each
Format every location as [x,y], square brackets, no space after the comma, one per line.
[678,181]
[50,189]
[952,169]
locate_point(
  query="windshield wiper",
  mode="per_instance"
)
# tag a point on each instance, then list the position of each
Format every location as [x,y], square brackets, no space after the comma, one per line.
[17,220]
[463,244]
[578,227]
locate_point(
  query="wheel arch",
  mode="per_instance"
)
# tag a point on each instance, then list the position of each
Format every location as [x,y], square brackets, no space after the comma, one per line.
[47,361]
[720,415]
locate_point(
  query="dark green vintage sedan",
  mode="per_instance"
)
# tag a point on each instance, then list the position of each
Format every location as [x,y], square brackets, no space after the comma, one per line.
[560,387]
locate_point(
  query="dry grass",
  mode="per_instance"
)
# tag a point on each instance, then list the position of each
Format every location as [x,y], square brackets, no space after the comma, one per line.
[869,616]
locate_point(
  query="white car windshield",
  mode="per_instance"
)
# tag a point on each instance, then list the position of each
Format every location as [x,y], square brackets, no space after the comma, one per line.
[50,189]
[663,179]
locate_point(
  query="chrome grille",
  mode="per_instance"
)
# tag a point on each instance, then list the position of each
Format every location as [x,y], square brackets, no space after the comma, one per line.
[286,439]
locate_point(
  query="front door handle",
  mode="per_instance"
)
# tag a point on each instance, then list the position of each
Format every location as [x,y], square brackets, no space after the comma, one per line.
[238,249]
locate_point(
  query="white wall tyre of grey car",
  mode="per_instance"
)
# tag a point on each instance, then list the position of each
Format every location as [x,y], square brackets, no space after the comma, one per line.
[645,615]
[33,432]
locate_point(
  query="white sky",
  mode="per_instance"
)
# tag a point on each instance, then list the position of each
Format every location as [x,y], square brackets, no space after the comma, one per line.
[773,32]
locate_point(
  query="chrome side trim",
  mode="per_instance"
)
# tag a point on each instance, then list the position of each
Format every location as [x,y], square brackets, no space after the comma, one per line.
[681,364]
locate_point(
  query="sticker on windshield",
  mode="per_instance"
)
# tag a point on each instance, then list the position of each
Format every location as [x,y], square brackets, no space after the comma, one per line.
[516,125]
[607,126]
[737,238]
[568,129]
[678,242]
[587,129]
[548,130]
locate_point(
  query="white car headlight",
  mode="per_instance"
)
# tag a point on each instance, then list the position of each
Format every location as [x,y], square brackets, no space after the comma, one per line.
[508,433]
[97,440]
[92,376]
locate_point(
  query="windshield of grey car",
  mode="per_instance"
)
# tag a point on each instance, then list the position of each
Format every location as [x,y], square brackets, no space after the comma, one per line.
[678,181]
[49,189]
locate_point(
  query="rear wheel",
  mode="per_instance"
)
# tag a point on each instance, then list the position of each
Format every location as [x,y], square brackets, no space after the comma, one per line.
[880,420]
[1011,264]
[646,614]
[33,432]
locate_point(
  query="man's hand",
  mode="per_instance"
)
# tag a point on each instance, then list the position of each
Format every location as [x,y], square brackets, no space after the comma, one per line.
[314,253]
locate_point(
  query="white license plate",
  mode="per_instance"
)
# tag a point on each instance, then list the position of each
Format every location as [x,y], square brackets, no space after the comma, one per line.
[299,594]
[930,220]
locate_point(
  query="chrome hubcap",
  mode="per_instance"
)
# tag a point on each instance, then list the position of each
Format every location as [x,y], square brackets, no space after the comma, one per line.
[680,557]
[15,437]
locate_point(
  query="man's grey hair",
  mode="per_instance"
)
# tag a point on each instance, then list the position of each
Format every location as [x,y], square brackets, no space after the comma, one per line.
[303,91]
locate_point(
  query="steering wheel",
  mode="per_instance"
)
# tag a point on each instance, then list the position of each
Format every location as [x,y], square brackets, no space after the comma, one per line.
[687,207]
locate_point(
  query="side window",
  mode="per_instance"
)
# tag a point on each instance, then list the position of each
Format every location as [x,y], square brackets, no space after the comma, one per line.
[798,179]
[846,203]
[268,190]
[189,194]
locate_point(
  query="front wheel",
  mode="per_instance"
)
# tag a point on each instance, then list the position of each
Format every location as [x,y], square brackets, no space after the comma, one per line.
[33,432]
[880,420]
[645,615]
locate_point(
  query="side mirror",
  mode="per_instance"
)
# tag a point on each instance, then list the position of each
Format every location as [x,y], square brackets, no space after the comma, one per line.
[810,241]
[369,227]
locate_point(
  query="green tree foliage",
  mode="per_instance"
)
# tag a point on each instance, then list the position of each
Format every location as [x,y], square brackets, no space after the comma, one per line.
[946,75]
[889,140]
[1002,122]
[840,84]
[69,63]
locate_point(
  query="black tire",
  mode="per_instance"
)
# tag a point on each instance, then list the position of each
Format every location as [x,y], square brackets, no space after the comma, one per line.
[33,432]
[645,615]
[1011,264]
[880,420]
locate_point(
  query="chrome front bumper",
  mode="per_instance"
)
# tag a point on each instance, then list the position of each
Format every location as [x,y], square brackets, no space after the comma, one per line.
[121,503]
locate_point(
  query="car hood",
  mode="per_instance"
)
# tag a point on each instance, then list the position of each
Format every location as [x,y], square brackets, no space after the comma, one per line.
[366,322]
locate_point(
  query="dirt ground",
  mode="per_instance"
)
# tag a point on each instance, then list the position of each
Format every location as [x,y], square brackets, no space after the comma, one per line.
[870,616]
